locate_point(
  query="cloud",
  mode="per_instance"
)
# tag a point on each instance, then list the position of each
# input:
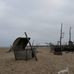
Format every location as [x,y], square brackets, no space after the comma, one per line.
[41,19]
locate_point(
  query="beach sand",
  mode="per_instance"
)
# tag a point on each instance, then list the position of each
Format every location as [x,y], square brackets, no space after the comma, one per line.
[47,63]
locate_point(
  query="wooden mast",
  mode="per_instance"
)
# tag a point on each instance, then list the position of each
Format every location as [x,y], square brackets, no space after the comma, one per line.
[70,34]
[70,42]
[61,34]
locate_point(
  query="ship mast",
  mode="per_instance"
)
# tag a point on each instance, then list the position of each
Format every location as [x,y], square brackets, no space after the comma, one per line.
[70,42]
[61,33]
[70,34]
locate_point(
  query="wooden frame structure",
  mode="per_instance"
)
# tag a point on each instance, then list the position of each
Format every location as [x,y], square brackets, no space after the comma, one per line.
[20,50]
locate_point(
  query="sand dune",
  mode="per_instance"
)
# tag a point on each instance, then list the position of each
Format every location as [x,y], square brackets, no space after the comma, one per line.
[47,63]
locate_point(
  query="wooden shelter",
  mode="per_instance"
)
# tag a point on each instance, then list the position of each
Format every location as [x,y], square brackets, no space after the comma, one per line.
[20,50]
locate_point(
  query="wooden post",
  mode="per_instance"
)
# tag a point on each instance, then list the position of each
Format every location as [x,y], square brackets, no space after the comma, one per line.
[31,47]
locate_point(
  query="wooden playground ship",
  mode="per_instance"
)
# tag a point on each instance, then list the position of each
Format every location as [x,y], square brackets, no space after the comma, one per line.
[58,49]
[21,52]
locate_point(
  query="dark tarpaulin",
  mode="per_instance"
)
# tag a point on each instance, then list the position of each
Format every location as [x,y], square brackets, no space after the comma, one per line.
[20,43]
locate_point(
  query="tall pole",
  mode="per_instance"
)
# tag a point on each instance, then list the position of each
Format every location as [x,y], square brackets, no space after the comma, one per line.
[61,35]
[70,42]
[70,34]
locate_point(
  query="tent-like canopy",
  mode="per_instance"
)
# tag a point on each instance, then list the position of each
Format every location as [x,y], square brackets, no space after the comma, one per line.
[20,43]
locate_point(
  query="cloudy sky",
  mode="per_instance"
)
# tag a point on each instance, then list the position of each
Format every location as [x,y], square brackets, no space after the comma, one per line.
[41,19]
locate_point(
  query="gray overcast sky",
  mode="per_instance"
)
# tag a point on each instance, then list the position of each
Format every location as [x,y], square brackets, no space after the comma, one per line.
[41,19]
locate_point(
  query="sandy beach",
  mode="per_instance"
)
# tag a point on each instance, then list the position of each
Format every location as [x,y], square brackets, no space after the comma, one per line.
[47,63]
